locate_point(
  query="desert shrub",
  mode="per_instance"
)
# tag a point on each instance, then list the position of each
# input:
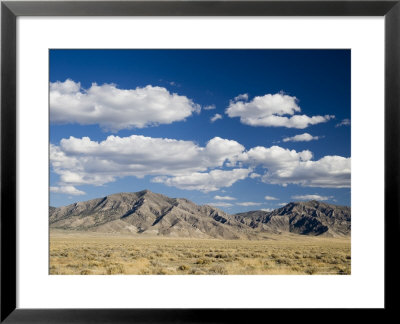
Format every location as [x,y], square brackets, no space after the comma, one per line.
[221,256]
[218,269]
[295,268]
[343,271]
[144,272]
[311,270]
[93,264]
[283,261]
[266,264]
[197,271]
[115,269]
[155,263]
[161,271]
[89,257]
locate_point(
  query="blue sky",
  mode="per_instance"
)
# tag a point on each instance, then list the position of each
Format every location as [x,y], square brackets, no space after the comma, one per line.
[239,129]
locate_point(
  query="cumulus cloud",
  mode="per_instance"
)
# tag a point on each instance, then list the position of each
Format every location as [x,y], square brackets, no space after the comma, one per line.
[174,163]
[344,122]
[270,110]
[70,190]
[284,166]
[115,109]
[209,107]
[187,165]
[208,181]
[275,156]
[301,138]
[224,198]
[83,161]
[327,172]
[255,175]
[248,203]
[312,197]
[243,97]
[270,198]
[215,117]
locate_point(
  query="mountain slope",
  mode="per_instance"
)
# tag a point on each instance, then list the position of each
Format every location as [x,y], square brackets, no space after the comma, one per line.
[148,213]
[307,218]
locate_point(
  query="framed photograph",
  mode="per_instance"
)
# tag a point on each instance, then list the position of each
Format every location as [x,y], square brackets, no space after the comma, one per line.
[195,161]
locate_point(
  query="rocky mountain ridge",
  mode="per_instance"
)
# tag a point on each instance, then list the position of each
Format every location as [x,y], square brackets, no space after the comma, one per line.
[153,214]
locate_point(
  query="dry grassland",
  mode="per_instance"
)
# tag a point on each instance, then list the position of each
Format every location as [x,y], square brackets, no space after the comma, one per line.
[102,254]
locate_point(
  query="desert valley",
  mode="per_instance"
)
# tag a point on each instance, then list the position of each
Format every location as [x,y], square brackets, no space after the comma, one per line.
[149,233]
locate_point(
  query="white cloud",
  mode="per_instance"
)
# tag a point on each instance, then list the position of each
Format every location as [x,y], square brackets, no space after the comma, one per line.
[270,198]
[286,166]
[220,204]
[344,122]
[243,97]
[267,209]
[215,117]
[269,110]
[115,109]
[70,190]
[224,198]
[312,197]
[301,138]
[205,182]
[283,204]
[275,156]
[186,165]
[80,161]
[255,175]
[209,107]
[328,172]
[248,203]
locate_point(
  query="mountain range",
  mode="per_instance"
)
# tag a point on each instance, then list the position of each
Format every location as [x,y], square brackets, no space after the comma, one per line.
[151,214]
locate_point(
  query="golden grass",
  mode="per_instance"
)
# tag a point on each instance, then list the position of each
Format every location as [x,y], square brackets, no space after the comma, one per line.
[100,254]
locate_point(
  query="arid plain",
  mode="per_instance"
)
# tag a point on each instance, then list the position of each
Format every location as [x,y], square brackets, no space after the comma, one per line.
[102,254]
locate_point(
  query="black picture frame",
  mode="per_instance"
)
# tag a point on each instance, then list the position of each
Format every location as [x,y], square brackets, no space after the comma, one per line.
[10,10]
